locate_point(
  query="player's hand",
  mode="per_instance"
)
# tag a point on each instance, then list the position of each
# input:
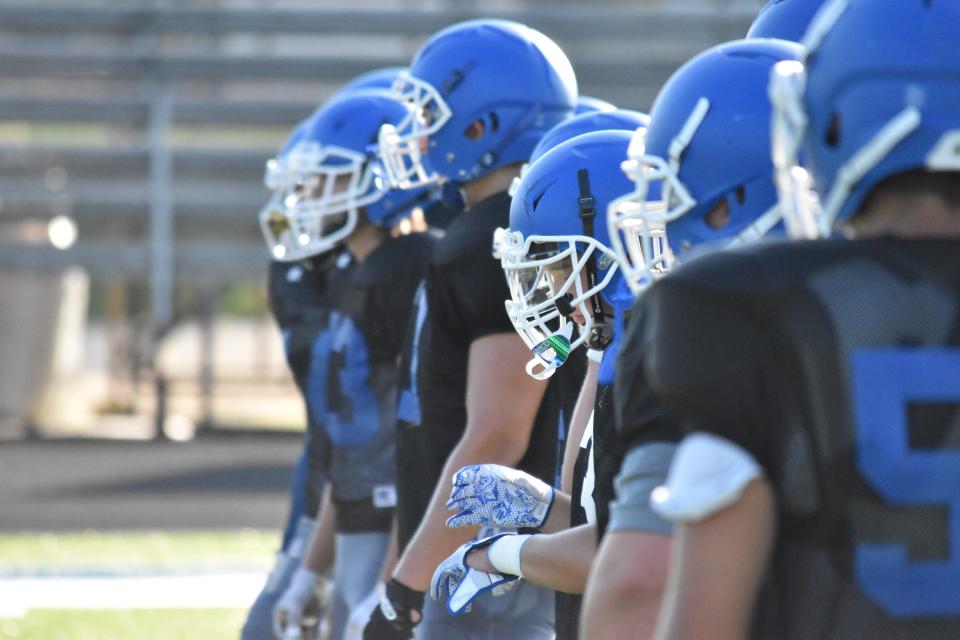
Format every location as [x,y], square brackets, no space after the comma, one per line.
[360,614]
[463,584]
[400,610]
[491,495]
[300,608]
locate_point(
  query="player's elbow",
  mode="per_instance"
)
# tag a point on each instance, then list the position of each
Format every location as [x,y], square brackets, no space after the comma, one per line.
[499,441]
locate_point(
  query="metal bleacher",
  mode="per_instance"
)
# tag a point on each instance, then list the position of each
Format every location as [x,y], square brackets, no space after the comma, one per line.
[156,117]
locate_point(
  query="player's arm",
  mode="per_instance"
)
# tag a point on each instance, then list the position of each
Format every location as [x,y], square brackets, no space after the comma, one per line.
[623,597]
[628,578]
[390,559]
[717,568]
[307,583]
[558,561]
[716,493]
[520,490]
[360,614]
[502,402]
[697,368]
[318,556]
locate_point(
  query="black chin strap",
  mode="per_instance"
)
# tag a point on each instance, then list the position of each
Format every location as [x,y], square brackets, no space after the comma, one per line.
[601,333]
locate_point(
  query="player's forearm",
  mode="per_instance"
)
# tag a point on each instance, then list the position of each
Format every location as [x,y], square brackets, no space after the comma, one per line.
[390,559]
[318,556]
[560,561]
[433,541]
[578,423]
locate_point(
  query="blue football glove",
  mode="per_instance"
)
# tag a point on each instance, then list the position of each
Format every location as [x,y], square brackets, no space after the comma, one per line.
[491,495]
[463,584]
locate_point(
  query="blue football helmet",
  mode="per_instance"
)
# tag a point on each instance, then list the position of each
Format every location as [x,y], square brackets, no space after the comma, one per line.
[589,104]
[557,255]
[784,19]
[616,120]
[382,79]
[338,175]
[877,95]
[274,223]
[707,145]
[278,177]
[378,79]
[480,95]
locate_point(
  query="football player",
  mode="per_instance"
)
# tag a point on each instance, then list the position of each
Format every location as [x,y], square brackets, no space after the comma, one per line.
[481,94]
[592,114]
[816,495]
[704,180]
[340,198]
[299,303]
[563,278]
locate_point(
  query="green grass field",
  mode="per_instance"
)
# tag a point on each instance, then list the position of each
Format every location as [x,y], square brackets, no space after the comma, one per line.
[125,553]
[136,624]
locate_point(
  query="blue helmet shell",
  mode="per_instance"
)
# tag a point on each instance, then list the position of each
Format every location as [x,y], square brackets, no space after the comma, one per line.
[547,199]
[513,79]
[728,157]
[618,120]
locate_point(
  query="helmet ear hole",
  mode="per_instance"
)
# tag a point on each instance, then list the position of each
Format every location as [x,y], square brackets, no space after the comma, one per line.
[832,136]
[476,130]
[494,122]
[719,216]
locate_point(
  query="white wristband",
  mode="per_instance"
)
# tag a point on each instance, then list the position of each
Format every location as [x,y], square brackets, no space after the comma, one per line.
[504,554]
[595,355]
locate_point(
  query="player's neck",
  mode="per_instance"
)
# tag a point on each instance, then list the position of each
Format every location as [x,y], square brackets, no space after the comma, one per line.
[364,240]
[497,181]
[924,215]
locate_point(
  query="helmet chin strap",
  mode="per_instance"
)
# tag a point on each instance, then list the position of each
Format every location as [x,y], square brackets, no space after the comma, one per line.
[601,333]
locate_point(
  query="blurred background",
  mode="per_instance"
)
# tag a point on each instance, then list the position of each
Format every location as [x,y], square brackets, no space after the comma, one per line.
[148,426]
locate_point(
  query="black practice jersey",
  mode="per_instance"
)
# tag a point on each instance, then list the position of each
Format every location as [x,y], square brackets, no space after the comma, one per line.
[836,364]
[297,297]
[464,295]
[639,415]
[586,499]
[300,304]
[414,488]
[607,454]
[352,384]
